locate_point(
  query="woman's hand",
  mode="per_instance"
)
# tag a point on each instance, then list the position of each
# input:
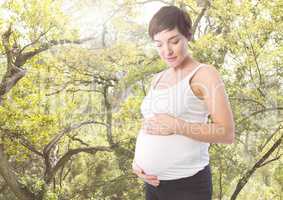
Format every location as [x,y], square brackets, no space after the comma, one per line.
[161,124]
[152,180]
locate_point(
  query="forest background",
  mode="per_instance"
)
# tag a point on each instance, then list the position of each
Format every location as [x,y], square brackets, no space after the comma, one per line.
[73,75]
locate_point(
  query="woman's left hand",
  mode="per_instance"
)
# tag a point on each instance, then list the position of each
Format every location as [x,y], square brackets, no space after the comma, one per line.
[161,124]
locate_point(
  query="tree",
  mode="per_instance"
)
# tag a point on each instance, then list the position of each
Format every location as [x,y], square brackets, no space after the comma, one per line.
[62,96]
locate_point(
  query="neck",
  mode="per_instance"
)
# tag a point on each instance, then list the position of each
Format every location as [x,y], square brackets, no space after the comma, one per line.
[188,62]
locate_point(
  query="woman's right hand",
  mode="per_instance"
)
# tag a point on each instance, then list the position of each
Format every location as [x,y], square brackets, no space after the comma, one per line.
[150,179]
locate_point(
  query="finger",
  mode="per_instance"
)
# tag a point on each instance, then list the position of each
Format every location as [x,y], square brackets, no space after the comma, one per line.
[153,129]
[148,177]
[152,180]
[152,132]
[151,121]
[138,170]
[148,125]
[159,129]
[158,132]
[154,183]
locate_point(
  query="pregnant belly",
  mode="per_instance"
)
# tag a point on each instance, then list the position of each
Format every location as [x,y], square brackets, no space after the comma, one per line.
[155,153]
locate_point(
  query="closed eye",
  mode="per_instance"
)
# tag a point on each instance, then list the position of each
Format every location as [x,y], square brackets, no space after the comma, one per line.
[176,42]
[173,42]
[158,45]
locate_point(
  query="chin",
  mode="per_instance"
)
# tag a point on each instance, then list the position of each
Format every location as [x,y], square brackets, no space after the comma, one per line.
[174,65]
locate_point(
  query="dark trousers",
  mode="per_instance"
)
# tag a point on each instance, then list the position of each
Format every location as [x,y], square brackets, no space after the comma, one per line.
[196,187]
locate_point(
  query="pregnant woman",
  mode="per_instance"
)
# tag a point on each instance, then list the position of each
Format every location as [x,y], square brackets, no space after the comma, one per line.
[171,155]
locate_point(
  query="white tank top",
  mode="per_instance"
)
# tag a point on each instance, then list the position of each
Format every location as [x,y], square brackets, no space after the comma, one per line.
[174,156]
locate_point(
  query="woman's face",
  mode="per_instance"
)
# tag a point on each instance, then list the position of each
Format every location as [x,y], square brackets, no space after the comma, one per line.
[171,46]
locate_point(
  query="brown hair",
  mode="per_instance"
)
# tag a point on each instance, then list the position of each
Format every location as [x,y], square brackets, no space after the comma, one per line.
[169,17]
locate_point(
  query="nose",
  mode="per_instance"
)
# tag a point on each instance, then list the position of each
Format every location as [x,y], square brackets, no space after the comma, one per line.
[167,50]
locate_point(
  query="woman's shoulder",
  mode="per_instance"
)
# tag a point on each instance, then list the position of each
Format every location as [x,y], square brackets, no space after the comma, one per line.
[205,79]
[206,72]
[156,76]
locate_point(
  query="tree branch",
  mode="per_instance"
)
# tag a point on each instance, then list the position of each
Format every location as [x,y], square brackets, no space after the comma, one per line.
[258,112]
[36,40]
[22,140]
[11,179]
[62,161]
[108,116]
[55,140]
[74,138]
[3,188]
[247,99]
[14,71]
[271,160]
[270,137]
[201,14]
[261,162]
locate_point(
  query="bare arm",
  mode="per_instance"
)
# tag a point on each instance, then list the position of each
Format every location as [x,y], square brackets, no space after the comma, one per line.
[212,90]
[213,93]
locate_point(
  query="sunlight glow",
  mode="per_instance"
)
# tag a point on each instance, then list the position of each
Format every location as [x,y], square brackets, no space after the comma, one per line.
[148,10]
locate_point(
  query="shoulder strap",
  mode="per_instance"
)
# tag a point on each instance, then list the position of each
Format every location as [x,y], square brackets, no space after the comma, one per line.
[195,70]
[158,79]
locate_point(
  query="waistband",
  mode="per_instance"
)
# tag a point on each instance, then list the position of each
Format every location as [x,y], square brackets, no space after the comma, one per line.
[198,176]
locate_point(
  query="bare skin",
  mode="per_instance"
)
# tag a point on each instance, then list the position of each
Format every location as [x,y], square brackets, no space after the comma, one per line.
[150,179]
[206,84]
[209,83]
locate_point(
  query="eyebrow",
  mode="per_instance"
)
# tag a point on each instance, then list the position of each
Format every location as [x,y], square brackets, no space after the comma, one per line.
[168,39]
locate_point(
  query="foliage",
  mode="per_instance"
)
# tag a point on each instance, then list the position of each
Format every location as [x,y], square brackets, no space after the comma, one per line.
[105,80]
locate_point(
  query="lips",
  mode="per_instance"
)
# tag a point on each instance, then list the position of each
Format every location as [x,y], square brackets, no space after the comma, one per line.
[171,59]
